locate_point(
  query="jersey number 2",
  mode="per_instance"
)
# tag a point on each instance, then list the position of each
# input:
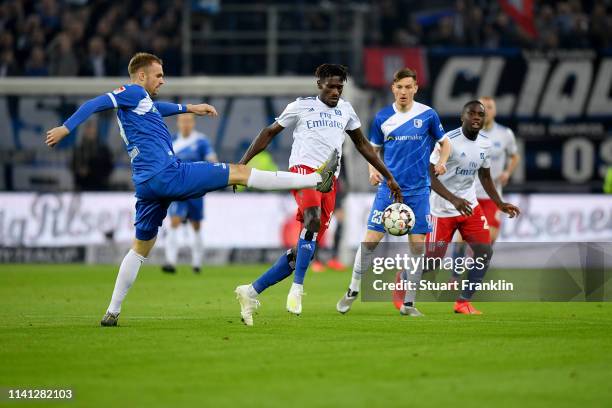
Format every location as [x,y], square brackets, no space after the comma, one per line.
[484,222]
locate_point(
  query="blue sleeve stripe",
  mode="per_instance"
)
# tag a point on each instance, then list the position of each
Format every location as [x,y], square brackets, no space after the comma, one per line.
[112,98]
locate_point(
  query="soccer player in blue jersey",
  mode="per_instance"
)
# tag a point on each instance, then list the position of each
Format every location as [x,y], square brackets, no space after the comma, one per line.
[159,177]
[189,146]
[406,131]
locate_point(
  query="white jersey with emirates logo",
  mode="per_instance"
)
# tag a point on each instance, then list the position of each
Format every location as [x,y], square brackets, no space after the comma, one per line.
[466,158]
[503,145]
[318,129]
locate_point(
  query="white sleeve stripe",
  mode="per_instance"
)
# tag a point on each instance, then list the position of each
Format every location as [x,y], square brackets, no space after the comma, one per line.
[112,97]
[374,144]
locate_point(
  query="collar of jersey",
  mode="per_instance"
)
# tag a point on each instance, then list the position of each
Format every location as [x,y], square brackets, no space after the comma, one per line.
[326,105]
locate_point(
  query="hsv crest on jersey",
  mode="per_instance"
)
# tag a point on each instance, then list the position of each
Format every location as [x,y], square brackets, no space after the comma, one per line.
[418,123]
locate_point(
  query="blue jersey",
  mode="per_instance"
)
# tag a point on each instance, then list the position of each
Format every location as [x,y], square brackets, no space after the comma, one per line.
[141,125]
[192,148]
[407,139]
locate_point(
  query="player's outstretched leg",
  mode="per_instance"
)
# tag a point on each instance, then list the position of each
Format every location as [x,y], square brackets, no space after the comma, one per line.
[128,271]
[321,180]
[247,294]
[363,260]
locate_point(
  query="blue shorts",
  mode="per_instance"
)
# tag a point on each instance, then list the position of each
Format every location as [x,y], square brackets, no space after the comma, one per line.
[418,203]
[180,181]
[188,209]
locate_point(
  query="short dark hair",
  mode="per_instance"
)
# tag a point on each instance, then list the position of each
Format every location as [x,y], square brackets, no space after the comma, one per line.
[324,71]
[404,73]
[472,102]
[141,60]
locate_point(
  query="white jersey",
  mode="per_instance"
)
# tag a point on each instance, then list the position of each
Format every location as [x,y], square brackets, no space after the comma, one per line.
[318,129]
[466,158]
[503,145]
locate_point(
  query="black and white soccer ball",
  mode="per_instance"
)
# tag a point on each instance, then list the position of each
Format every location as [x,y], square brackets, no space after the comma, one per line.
[398,219]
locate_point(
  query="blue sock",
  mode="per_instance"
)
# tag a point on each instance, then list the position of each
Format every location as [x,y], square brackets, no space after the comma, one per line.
[279,271]
[476,274]
[459,251]
[305,252]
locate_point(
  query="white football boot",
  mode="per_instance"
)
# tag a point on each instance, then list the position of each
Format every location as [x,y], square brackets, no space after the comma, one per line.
[248,304]
[344,304]
[294,299]
[410,311]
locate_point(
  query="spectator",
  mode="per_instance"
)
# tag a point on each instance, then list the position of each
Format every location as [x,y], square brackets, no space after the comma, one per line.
[95,63]
[62,59]
[600,30]
[92,161]
[36,65]
[8,65]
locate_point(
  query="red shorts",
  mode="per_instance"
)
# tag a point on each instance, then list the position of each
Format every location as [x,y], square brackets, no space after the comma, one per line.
[474,230]
[491,212]
[313,198]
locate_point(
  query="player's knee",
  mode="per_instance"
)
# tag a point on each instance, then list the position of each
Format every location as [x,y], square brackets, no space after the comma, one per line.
[142,247]
[484,252]
[312,219]
[175,222]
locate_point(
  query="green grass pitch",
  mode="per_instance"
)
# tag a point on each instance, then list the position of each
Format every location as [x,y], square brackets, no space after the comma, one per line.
[181,343]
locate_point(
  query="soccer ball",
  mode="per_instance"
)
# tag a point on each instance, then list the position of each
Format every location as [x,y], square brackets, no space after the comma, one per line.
[398,219]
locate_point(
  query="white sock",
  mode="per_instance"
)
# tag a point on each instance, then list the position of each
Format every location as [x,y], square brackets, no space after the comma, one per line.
[252,292]
[413,276]
[361,263]
[171,246]
[282,180]
[197,249]
[128,271]
[296,287]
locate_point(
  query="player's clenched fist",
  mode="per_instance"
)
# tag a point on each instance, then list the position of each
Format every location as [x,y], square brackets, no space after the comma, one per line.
[202,109]
[55,135]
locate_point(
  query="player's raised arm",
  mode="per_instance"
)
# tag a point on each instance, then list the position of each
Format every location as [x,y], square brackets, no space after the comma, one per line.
[484,174]
[97,104]
[169,109]
[367,151]
[462,205]
[262,141]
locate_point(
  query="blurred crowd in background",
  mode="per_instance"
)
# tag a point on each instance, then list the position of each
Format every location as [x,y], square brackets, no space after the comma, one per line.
[97,37]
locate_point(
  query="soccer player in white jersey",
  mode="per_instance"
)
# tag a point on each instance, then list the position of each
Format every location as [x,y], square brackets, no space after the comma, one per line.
[189,146]
[320,125]
[504,160]
[407,131]
[159,177]
[453,201]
